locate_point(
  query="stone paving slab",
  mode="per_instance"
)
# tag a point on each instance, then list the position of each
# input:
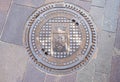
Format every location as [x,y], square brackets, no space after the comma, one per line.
[98,16]
[111,15]
[31,3]
[115,70]
[105,52]
[85,5]
[98,3]
[13,60]
[61,78]
[4,6]
[51,78]
[3,17]
[68,78]
[86,73]
[84,78]
[100,77]
[33,75]
[117,39]
[13,30]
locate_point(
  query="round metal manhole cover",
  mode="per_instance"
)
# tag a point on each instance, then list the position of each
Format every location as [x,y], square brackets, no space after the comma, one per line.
[60,38]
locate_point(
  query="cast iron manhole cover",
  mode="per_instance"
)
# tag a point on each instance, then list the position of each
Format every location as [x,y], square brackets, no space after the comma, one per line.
[60,38]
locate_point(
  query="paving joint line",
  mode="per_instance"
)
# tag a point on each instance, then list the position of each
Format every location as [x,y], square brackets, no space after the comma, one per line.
[94,71]
[23,75]
[25,5]
[102,72]
[45,77]
[76,77]
[25,70]
[11,43]
[109,31]
[97,6]
[9,9]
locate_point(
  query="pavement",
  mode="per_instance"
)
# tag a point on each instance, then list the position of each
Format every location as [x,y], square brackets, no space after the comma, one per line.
[15,65]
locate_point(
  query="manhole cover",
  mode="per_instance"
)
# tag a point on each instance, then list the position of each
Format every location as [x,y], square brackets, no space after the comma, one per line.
[60,38]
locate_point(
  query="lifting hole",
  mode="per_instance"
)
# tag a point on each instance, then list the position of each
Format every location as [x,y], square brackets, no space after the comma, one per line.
[46,53]
[77,23]
[43,49]
[73,20]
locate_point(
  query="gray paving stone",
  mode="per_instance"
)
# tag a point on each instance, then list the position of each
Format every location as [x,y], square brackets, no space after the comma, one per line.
[98,16]
[117,39]
[33,75]
[86,74]
[105,52]
[83,4]
[84,78]
[68,78]
[51,78]
[100,77]
[31,3]
[111,14]
[13,30]
[99,3]
[115,70]
[2,20]
[13,60]
[4,6]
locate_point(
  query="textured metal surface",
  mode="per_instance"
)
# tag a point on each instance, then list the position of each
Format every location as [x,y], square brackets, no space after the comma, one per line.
[60,38]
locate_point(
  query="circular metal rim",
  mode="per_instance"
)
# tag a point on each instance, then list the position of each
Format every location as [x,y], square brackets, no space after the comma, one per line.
[43,62]
[26,43]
